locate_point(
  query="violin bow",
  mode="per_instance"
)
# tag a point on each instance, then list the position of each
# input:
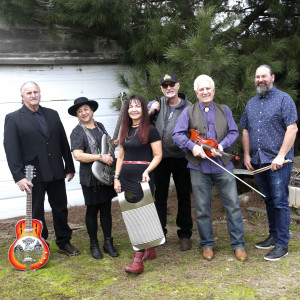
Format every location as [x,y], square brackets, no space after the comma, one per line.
[235,176]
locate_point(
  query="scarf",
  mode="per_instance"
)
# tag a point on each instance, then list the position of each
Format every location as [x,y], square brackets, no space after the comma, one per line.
[92,140]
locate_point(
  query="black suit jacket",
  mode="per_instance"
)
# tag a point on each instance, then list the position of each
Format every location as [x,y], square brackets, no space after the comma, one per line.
[25,143]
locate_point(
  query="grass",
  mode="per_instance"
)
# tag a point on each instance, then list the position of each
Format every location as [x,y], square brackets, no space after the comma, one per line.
[172,275]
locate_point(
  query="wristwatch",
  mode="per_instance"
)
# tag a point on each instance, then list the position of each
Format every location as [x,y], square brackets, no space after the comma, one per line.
[117,177]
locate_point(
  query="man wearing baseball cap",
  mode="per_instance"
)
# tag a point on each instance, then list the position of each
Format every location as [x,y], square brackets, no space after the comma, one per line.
[165,111]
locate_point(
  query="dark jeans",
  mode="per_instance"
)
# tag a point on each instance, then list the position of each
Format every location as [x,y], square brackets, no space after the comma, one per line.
[274,185]
[181,177]
[57,197]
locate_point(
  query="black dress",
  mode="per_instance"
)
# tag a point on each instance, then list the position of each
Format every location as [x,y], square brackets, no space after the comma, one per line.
[93,191]
[131,174]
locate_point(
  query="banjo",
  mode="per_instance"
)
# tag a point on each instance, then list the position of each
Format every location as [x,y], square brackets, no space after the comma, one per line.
[103,172]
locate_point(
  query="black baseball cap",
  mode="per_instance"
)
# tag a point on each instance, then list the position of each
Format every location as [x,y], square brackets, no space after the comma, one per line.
[168,77]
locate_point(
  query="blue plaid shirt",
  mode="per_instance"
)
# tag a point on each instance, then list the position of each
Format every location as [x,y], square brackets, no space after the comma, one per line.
[266,117]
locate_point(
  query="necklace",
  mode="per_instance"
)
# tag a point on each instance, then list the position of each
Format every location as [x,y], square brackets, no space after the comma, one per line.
[129,138]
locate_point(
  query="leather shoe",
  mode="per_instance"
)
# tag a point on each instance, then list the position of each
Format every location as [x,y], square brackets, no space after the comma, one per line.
[268,243]
[185,244]
[276,253]
[208,254]
[68,249]
[240,254]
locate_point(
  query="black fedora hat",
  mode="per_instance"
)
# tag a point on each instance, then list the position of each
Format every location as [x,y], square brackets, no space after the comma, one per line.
[81,101]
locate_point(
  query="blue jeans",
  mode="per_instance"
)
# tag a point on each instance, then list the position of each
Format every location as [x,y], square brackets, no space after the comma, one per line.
[226,184]
[274,185]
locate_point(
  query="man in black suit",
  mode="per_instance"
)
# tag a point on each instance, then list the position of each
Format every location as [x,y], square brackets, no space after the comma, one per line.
[34,135]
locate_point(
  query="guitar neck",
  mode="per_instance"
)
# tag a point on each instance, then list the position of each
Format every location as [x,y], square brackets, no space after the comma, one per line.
[112,147]
[118,125]
[28,218]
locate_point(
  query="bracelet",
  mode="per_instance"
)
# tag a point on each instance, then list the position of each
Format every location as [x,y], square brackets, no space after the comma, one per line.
[117,177]
[100,156]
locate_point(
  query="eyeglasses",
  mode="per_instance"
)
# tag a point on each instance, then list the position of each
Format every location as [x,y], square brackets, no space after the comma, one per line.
[171,84]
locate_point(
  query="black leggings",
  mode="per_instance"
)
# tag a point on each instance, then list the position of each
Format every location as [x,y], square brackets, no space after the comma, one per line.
[91,219]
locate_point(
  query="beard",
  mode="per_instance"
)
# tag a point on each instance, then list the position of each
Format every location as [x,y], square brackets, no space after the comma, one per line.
[170,94]
[263,89]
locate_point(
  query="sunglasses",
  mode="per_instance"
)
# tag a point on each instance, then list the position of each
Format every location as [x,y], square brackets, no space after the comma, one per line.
[171,84]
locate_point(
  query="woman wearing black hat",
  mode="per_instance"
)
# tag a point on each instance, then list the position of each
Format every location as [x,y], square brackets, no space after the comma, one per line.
[86,147]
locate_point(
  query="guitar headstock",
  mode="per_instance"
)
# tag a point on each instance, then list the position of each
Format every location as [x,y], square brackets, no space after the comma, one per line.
[29,172]
[122,97]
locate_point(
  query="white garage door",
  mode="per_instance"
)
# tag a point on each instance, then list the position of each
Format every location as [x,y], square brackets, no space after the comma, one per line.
[60,85]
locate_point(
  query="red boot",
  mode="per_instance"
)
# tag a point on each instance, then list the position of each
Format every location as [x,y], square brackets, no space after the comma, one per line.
[137,266]
[149,254]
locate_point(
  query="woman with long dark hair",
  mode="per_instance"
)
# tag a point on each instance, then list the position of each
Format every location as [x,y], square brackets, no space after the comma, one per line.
[140,153]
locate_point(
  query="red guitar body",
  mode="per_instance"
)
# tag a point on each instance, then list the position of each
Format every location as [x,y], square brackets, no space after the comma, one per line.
[29,251]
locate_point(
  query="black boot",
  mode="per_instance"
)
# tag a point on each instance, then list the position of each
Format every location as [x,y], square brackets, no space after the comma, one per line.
[108,247]
[95,251]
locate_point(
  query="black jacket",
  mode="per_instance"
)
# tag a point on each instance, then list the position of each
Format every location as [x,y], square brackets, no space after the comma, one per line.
[25,143]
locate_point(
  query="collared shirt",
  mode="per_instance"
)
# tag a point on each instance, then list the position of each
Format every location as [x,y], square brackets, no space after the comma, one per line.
[183,142]
[266,117]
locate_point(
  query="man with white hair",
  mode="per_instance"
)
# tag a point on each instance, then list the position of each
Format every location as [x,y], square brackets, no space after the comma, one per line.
[269,125]
[214,121]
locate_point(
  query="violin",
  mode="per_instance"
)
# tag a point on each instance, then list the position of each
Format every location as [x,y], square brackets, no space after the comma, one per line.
[208,144]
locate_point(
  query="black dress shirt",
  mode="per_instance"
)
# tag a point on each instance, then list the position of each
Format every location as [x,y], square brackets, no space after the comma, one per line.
[42,121]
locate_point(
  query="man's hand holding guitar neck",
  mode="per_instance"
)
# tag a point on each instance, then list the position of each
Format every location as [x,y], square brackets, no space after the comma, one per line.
[24,184]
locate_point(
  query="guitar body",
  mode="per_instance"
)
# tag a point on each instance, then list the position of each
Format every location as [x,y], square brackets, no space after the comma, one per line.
[102,171]
[29,251]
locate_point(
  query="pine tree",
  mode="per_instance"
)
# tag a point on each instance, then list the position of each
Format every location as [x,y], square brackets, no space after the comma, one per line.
[187,37]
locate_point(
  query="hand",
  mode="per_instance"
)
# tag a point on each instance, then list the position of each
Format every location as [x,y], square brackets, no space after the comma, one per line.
[155,106]
[215,153]
[70,176]
[117,185]
[24,184]
[198,151]
[277,163]
[116,142]
[145,176]
[107,159]
[247,162]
